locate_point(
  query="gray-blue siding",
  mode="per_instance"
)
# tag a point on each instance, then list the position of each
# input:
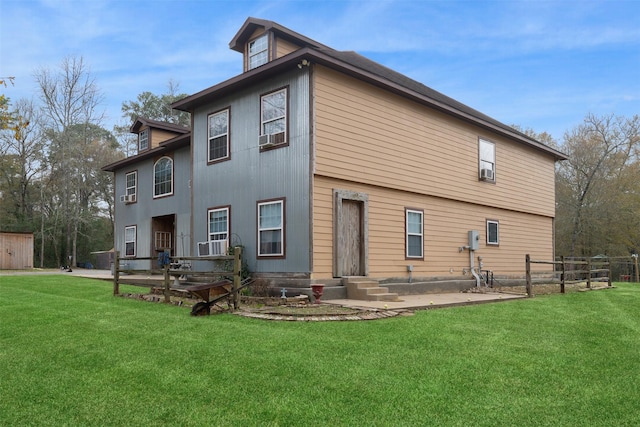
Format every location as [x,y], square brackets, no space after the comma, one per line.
[251,175]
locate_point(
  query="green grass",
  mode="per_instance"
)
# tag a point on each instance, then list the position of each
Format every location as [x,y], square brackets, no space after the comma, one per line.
[72,354]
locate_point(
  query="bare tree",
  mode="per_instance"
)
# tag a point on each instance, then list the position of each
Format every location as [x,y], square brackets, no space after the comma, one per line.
[70,98]
[595,183]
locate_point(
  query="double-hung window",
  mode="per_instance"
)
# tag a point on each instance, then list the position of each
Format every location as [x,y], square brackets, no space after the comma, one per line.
[218,147]
[273,116]
[218,223]
[493,232]
[414,233]
[258,52]
[163,177]
[271,228]
[131,180]
[130,241]
[487,166]
[143,140]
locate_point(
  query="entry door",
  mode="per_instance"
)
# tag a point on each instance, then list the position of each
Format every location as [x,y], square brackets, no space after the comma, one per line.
[162,234]
[350,239]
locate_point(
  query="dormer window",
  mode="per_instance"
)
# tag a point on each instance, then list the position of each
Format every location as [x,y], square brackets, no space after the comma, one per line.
[258,51]
[143,140]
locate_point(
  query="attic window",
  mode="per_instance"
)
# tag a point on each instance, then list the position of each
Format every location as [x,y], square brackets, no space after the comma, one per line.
[258,52]
[143,140]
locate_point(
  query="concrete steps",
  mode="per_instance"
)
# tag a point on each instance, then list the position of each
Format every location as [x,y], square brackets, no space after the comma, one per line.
[368,290]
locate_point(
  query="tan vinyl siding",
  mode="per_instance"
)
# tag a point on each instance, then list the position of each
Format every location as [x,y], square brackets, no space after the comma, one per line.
[284,47]
[390,141]
[446,223]
[158,135]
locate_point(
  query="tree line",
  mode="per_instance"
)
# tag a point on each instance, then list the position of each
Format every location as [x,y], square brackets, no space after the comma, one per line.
[52,150]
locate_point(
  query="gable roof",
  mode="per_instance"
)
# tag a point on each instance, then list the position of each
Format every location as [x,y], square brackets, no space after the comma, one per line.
[156,124]
[164,147]
[359,67]
[251,24]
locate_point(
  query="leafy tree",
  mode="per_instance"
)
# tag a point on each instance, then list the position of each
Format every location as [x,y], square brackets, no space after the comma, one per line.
[21,148]
[150,106]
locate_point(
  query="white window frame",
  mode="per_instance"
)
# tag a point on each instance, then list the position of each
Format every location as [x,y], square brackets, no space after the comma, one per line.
[486,157]
[130,237]
[496,242]
[258,52]
[412,233]
[265,123]
[217,235]
[170,180]
[279,229]
[220,133]
[131,190]
[143,136]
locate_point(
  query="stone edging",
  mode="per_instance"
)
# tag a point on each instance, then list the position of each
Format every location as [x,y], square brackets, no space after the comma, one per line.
[367,315]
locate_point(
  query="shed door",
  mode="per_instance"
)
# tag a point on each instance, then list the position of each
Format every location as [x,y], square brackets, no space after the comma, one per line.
[350,239]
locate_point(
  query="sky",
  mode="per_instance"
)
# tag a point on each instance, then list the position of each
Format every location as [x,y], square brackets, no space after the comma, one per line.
[539,64]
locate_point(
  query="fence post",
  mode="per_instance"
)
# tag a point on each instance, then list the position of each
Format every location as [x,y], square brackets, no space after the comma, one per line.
[562,275]
[237,271]
[528,275]
[167,283]
[116,273]
[588,272]
[635,258]
[609,272]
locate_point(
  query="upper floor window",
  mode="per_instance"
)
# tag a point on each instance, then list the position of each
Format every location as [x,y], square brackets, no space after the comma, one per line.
[493,236]
[132,185]
[273,116]
[271,228]
[218,136]
[258,52]
[487,151]
[130,241]
[415,236]
[143,140]
[163,177]
[218,223]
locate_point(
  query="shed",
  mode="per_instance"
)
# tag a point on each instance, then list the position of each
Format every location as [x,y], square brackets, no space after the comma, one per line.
[16,250]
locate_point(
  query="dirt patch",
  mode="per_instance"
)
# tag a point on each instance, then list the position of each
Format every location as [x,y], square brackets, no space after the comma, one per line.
[269,308]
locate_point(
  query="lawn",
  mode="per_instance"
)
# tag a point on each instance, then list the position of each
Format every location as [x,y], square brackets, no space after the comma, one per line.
[72,354]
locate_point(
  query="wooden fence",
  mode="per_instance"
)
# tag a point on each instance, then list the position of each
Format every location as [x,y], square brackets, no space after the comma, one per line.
[572,270]
[175,267]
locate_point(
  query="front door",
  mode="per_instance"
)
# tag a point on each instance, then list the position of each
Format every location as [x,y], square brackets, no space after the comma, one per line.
[162,234]
[350,238]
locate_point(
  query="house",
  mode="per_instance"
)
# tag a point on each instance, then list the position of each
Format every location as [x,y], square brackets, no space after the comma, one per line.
[324,165]
[153,201]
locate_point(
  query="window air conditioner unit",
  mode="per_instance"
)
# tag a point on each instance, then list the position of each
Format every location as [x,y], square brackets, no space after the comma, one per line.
[212,248]
[265,141]
[127,198]
[486,174]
